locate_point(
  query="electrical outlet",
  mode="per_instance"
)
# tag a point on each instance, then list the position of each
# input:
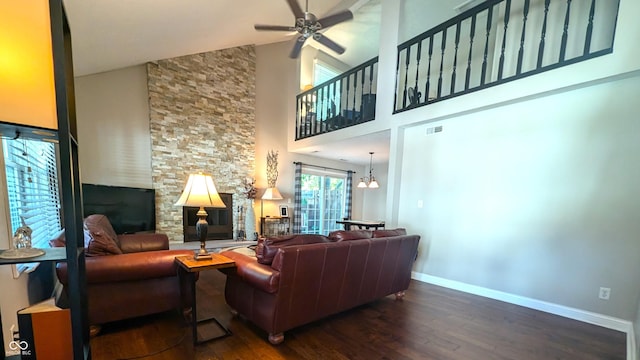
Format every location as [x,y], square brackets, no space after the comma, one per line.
[605,293]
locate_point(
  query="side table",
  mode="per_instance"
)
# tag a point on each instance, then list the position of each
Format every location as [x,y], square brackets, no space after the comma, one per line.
[187,269]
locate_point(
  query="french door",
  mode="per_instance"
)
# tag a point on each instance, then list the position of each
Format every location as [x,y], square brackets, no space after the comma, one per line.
[322,202]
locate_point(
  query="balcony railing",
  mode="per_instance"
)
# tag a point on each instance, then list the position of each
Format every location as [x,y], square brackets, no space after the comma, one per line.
[500,41]
[346,100]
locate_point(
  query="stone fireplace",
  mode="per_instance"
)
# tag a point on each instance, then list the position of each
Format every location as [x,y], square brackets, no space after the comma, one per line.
[201,119]
[220,221]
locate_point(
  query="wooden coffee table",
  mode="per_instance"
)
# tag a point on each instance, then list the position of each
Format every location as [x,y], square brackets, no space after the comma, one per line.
[187,269]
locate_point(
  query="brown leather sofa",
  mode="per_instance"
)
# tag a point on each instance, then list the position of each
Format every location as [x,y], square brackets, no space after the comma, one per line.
[127,275]
[297,279]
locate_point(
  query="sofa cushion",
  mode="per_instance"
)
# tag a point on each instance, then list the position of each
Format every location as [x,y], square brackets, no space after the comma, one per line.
[101,238]
[99,244]
[98,223]
[343,235]
[389,232]
[268,247]
[139,242]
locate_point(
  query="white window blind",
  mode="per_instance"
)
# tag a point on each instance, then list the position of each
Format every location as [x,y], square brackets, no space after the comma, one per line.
[32,187]
[322,73]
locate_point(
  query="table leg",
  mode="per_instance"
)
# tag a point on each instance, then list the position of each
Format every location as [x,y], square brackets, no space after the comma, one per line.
[190,281]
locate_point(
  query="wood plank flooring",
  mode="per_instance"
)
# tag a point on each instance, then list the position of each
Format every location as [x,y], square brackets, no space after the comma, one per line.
[430,323]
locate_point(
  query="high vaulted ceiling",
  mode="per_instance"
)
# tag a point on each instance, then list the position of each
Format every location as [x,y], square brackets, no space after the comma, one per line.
[113,34]
[110,34]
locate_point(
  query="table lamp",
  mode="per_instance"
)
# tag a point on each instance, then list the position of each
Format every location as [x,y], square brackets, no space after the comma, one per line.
[271,193]
[200,191]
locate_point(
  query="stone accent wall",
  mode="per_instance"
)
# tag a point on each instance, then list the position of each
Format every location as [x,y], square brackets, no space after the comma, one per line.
[202,118]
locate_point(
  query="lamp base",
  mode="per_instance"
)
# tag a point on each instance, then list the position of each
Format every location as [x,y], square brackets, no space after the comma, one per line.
[201,232]
[199,256]
[202,253]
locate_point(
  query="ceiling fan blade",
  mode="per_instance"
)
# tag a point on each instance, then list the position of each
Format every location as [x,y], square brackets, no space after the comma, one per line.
[328,43]
[335,18]
[297,47]
[296,9]
[273,28]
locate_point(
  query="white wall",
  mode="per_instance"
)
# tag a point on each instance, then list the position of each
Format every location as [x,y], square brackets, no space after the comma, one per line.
[113,128]
[277,84]
[636,328]
[373,200]
[499,212]
[535,198]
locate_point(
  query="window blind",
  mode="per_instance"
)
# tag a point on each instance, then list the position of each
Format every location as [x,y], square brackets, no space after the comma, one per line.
[323,72]
[32,187]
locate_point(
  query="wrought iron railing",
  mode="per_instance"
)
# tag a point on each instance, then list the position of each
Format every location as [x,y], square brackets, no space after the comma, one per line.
[346,100]
[500,41]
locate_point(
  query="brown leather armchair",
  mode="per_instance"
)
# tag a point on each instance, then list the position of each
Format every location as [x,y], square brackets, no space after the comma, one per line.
[127,275]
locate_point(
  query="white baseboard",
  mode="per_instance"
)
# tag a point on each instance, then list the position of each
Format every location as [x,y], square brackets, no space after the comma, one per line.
[565,311]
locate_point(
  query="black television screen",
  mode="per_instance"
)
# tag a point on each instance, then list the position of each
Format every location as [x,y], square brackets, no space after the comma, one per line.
[129,209]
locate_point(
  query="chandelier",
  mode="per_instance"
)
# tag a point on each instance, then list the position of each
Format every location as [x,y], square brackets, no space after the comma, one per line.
[369,182]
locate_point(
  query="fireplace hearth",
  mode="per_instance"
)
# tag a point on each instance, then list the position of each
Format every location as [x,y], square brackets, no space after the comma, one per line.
[220,221]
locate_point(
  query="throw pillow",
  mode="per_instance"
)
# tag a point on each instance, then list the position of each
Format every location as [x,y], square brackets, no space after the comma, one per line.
[99,237]
[98,244]
[98,223]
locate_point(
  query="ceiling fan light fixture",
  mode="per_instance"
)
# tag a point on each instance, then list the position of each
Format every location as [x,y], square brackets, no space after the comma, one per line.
[308,25]
[373,184]
[369,182]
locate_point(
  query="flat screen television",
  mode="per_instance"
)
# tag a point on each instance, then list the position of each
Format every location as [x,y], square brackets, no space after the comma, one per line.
[129,210]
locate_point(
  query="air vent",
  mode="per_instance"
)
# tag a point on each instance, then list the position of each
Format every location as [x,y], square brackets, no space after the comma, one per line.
[433,130]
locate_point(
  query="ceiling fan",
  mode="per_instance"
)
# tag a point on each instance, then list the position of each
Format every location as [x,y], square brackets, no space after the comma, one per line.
[308,25]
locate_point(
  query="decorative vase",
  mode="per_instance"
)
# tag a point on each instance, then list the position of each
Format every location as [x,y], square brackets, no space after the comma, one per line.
[250,222]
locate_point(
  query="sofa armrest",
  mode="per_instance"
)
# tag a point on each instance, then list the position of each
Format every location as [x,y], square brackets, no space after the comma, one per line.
[130,243]
[127,267]
[250,271]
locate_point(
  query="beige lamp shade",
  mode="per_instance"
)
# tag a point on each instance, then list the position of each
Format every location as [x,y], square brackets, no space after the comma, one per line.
[27,86]
[272,193]
[200,191]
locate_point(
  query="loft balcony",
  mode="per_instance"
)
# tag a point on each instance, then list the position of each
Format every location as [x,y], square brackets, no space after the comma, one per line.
[495,42]
[346,100]
[500,41]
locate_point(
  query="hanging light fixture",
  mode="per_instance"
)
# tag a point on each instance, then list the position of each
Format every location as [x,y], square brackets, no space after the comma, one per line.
[369,182]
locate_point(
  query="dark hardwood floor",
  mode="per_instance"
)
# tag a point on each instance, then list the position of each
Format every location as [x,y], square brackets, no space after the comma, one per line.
[431,323]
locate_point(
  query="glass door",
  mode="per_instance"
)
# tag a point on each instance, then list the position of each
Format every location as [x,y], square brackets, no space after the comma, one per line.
[323,202]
